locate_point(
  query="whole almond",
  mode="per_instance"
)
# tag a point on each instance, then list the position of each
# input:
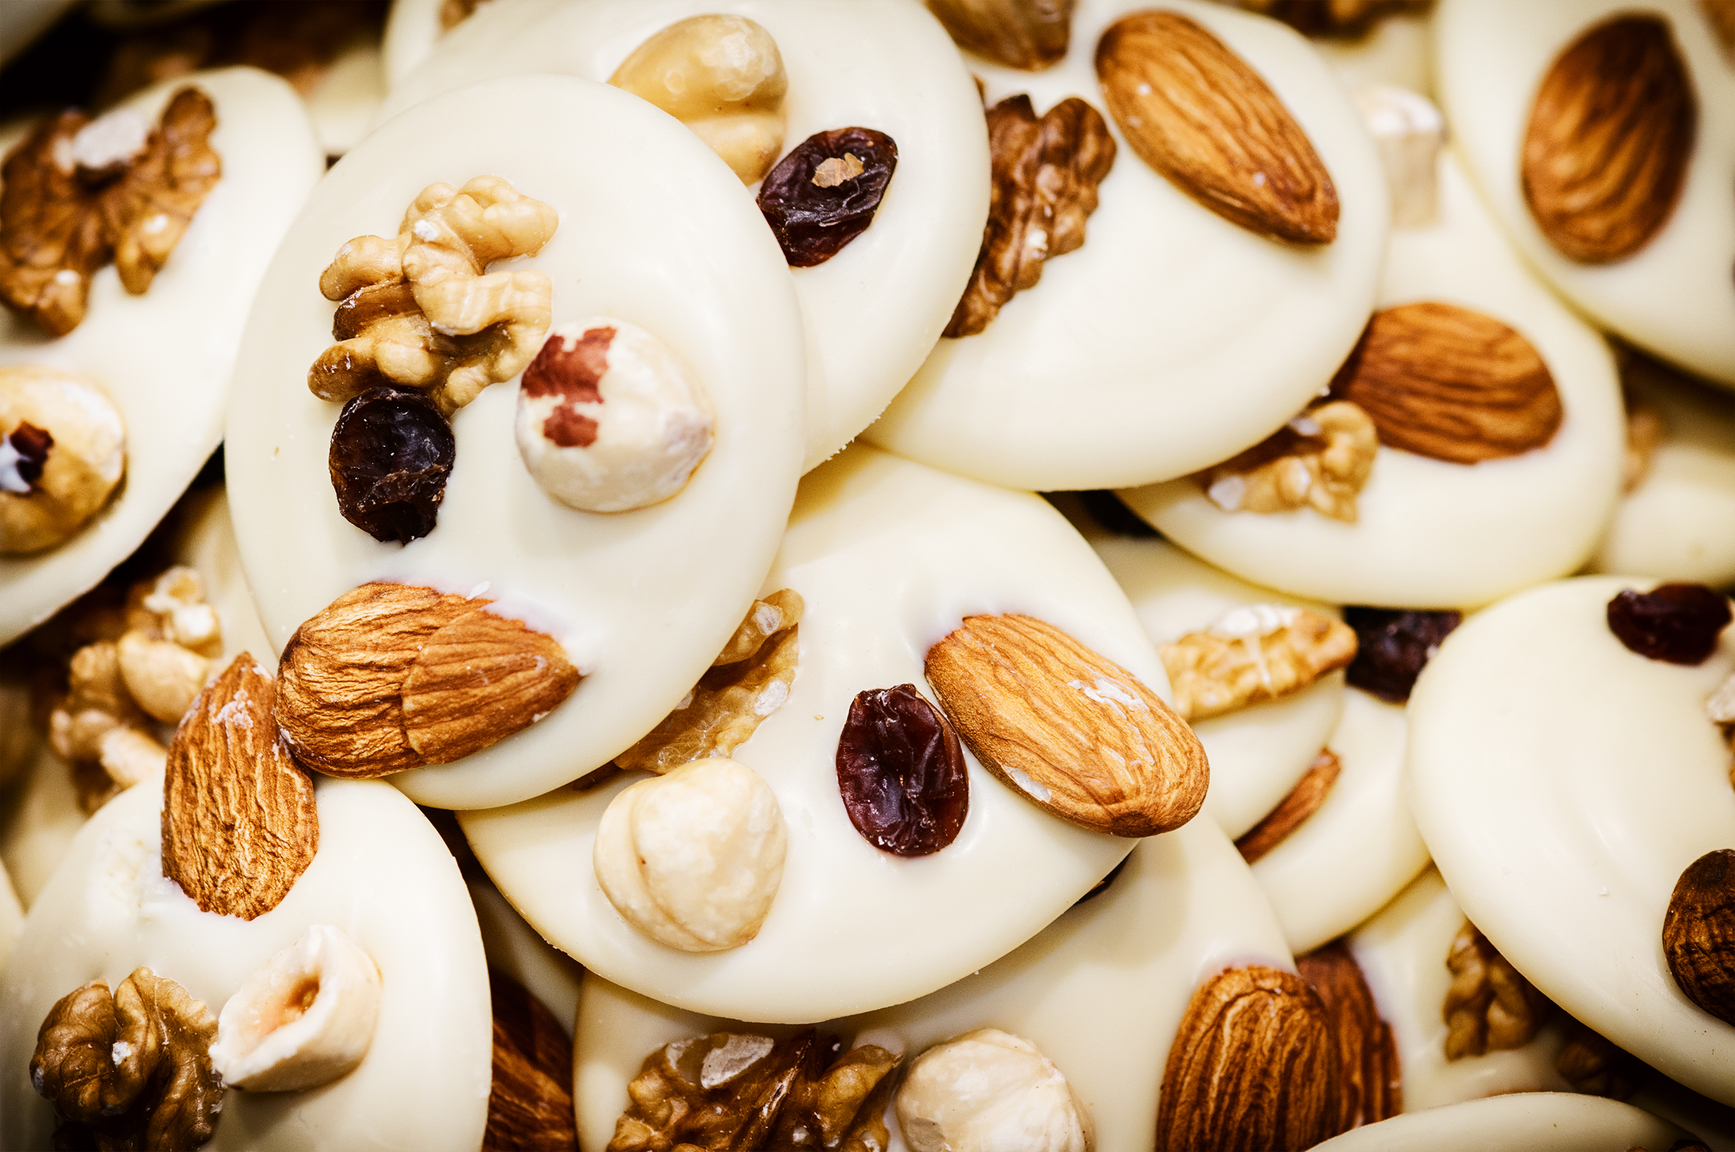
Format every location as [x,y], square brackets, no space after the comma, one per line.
[1609,139]
[1017,33]
[240,824]
[1369,1077]
[1253,1065]
[1293,810]
[1067,727]
[1699,933]
[1455,385]
[1199,114]
[530,1103]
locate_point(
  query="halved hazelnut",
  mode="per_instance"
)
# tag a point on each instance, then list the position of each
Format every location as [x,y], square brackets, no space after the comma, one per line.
[62,452]
[991,1091]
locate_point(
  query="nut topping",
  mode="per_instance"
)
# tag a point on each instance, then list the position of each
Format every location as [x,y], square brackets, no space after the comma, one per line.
[1044,177]
[1321,459]
[1393,645]
[1370,1083]
[1489,1005]
[392,676]
[1647,428]
[1699,933]
[825,192]
[1609,140]
[530,1103]
[1293,810]
[1068,728]
[900,770]
[1197,113]
[987,1091]
[1596,1066]
[62,455]
[1675,623]
[1409,131]
[1251,654]
[1029,34]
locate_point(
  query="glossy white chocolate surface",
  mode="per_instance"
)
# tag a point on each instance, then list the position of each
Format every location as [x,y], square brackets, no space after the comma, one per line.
[382,876]
[165,357]
[1675,296]
[1100,992]
[1432,534]
[1562,784]
[875,309]
[1257,753]
[1532,1122]
[888,557]
[1396,50]
[41,818]
[655,229]
[412,27]
[347,98]
[513,947]
[1173,338]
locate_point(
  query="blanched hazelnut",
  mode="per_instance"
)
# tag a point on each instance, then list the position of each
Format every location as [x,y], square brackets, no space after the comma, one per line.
[62,452]
[693,859]
[1408,131]
[609,417]
[303,1018]
[990,1091]
[721,76]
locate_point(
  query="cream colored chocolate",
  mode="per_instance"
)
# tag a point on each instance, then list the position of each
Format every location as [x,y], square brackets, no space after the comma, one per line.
[1256,753]
[1429,533]
[11,917]
[413,27]
[1360,846]
[164,358]
[1173,338]
[41,818]
[1100,992]
[875,309]
[888,557]
[1396,50]
[1562,784]
[1675,295]
[1535,1121]
[345,102]
[654,229]
[382,876]
[513,947]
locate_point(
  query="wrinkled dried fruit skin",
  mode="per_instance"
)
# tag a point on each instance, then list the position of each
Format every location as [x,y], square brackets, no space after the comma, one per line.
[391,453]
[1395,645]
[812,223]
[1609,140]
[1596,1066]
[1371,1087]
[1675,623]
[31,444]
[530,1104]
[900,770]
[1699,933]
[1292,811]
[1489,1004]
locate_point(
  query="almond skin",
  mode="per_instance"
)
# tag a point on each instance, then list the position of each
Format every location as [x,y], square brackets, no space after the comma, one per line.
[1609,140]
[1199,114]
[1699,933]
[530,1104]
[1451,384]
[1293,810]
[1029,34]
[1370,1079]
[240,824]
[1068,728]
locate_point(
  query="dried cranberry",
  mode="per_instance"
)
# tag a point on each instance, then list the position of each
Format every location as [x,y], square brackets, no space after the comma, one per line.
[901,771]
[30,446]
[1394,646]
[391,452]
[1678,623]
[814,213]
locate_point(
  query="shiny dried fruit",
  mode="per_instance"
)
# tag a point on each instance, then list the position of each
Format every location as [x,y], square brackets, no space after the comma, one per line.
[1596,1066]
[1292,811]
[391,453]
[1319,460]
[1028,34]
[1676,623]
[1393,646]
[1489,1004]
[900,770]
[825,192]
[1370,1082]
[530,1103]
[1699,933]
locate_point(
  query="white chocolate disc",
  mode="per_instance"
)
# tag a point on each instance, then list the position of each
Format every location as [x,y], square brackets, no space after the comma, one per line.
[382,876]
[1258,753]
[347,98]
[1432,534]
[653,229]
[1173,338]
[875,309]
[513,947]
[1675,296]
[1531,1122]
[1397,50]
[165,358]
[412,29]
[888,556]
[41,818]
[1100,992]
[1563,783]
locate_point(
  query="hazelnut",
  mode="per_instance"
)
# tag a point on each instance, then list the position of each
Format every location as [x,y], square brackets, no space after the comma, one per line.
[990,1091]
[62,452]
[130,756]
[609,417]
[721,76]
[1408,131]
[303,1018]
[693,859]
[161,676]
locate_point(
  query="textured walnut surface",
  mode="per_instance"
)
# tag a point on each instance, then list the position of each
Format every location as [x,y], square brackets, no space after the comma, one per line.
[1489,1005]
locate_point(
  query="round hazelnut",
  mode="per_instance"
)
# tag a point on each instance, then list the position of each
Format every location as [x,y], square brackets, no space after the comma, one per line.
[62,453]
[990,1091]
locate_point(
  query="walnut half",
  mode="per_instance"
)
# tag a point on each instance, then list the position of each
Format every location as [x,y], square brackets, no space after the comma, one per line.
[1251,654]
[1489,1005]
[1319,460]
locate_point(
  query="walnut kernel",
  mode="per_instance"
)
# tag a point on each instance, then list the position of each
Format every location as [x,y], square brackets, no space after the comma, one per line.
[62,454]
[1319,460]
[1251,654]
[1489,1005]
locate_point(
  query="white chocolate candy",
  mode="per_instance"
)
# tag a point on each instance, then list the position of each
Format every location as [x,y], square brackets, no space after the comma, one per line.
[1674,296]
[1430,533]
[875,309]
[1173,338]
[165,358]
[346,100]
[1562,783]
[412,29]
[1100,992]
[513,947]
[888,557]
[1397,50]
[652,230]
[1534,1122]
[382,876]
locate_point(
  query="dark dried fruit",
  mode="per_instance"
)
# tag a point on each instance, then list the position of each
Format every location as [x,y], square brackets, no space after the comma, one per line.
[1395,645]
[30,446]
[825,192]
[391,452]
[901,772]
[1677,623]
[1699,933]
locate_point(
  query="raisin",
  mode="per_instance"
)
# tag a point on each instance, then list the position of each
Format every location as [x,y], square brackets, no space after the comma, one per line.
[391,452]
[901,772]
[1394,644]
[30,446]
[1677,623]
[815,211]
